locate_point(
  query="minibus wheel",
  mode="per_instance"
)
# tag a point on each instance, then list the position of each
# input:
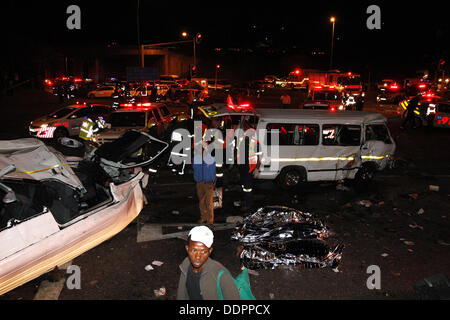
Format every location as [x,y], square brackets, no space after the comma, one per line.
[365,174]
[290,178]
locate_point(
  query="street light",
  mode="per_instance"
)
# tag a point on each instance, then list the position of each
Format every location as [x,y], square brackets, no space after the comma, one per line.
[215,82]
[196,40]
[332,20]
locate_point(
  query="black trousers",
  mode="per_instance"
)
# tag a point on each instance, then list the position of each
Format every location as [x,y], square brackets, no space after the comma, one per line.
[246,178]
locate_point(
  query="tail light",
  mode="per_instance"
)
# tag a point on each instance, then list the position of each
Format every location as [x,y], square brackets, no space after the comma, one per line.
[332,109]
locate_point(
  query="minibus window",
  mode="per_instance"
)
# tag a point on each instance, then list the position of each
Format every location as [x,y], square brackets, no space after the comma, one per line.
[341,135]
[290,134]
[378,132]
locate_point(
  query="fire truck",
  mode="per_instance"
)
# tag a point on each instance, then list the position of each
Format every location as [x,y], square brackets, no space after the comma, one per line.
[296,80]
[350,84]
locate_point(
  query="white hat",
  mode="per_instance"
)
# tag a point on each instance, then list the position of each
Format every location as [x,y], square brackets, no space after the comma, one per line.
[202,234]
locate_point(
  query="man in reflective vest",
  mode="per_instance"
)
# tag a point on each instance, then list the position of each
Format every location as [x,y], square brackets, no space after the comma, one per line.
[248,161]
[89,127]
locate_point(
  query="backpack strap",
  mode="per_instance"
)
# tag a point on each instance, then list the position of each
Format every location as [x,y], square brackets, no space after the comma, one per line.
[219,289]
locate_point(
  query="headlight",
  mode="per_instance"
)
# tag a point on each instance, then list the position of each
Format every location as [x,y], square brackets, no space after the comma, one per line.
[341,107]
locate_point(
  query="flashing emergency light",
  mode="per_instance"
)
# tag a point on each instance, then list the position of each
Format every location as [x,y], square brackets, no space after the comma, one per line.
[394,86]
[349,73]
[332,109]
[297,71]
[421,86]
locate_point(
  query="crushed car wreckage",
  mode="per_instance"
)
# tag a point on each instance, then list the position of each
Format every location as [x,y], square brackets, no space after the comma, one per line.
[277,236]
[52,212]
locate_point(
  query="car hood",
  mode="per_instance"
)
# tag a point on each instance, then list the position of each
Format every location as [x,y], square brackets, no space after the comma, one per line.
[43,120]
[115,133]
[33,160]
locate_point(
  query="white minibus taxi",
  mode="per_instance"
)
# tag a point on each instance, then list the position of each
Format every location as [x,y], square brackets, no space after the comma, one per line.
[320,145]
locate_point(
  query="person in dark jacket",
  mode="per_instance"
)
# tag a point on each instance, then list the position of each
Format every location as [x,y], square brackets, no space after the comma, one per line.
[199,273]
[410,117]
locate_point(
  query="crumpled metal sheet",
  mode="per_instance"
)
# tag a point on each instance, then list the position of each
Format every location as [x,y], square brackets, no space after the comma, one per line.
[277,236]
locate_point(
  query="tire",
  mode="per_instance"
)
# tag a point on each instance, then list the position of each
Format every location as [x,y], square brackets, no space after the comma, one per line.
[60,133]
[72,147]
[290,178]
[365,174]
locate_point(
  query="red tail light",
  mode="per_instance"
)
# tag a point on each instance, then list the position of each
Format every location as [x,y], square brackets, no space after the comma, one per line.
[422,86]
[333,109]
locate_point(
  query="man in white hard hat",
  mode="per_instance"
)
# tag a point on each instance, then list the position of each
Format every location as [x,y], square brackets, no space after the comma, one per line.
[199,273]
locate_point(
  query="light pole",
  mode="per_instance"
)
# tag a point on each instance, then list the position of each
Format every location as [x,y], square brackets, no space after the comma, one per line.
[332,20]
[195,40]
[215,82]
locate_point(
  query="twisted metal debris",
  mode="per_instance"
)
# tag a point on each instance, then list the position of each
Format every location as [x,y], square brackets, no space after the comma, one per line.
[278,236]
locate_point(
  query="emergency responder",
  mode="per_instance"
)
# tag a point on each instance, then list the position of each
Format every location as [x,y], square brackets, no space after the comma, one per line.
[359,102]
[410,116]
[89,127]
[285,100]
[248,161]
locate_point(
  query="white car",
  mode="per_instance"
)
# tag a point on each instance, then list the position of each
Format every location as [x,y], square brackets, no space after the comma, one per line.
[67,121]
[153,117]
[51,213]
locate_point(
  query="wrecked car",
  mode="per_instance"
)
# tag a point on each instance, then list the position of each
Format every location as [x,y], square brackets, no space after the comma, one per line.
[317,145]
[277,236]
[51,212]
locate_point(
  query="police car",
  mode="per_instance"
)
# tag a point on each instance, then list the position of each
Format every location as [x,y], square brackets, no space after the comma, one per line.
[67,121]
[152,117]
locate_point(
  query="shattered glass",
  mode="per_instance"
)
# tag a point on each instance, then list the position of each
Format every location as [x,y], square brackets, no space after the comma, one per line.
[278,236]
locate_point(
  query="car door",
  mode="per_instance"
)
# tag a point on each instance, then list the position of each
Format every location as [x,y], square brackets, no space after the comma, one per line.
[378,144]
[26,233]
[338,157]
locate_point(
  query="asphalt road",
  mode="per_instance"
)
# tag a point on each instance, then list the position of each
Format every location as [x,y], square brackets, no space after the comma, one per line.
[405,235]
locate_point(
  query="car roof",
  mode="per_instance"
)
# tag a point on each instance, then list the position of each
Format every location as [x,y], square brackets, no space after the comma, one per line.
[222,109]
[153,106]
[319,115]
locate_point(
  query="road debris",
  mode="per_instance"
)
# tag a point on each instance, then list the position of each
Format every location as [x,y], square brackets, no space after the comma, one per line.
[277,236]
[421,211]
[157,263]
[415,196]
[408,243]
[148,268]
[384,255]
[434,188]
[365,203]
[234,219]
[415,225]
[160,292]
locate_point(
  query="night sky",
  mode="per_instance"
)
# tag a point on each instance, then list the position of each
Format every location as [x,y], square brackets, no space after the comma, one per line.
[412,34]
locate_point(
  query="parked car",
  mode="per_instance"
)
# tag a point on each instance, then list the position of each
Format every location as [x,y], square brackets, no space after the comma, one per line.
[102,92]
[150,117]
[67,121]
[51,213]
[440,114]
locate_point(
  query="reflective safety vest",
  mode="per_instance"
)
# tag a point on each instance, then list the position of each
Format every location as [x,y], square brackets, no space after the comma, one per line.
[404,105]
[87,129]
[253,152]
